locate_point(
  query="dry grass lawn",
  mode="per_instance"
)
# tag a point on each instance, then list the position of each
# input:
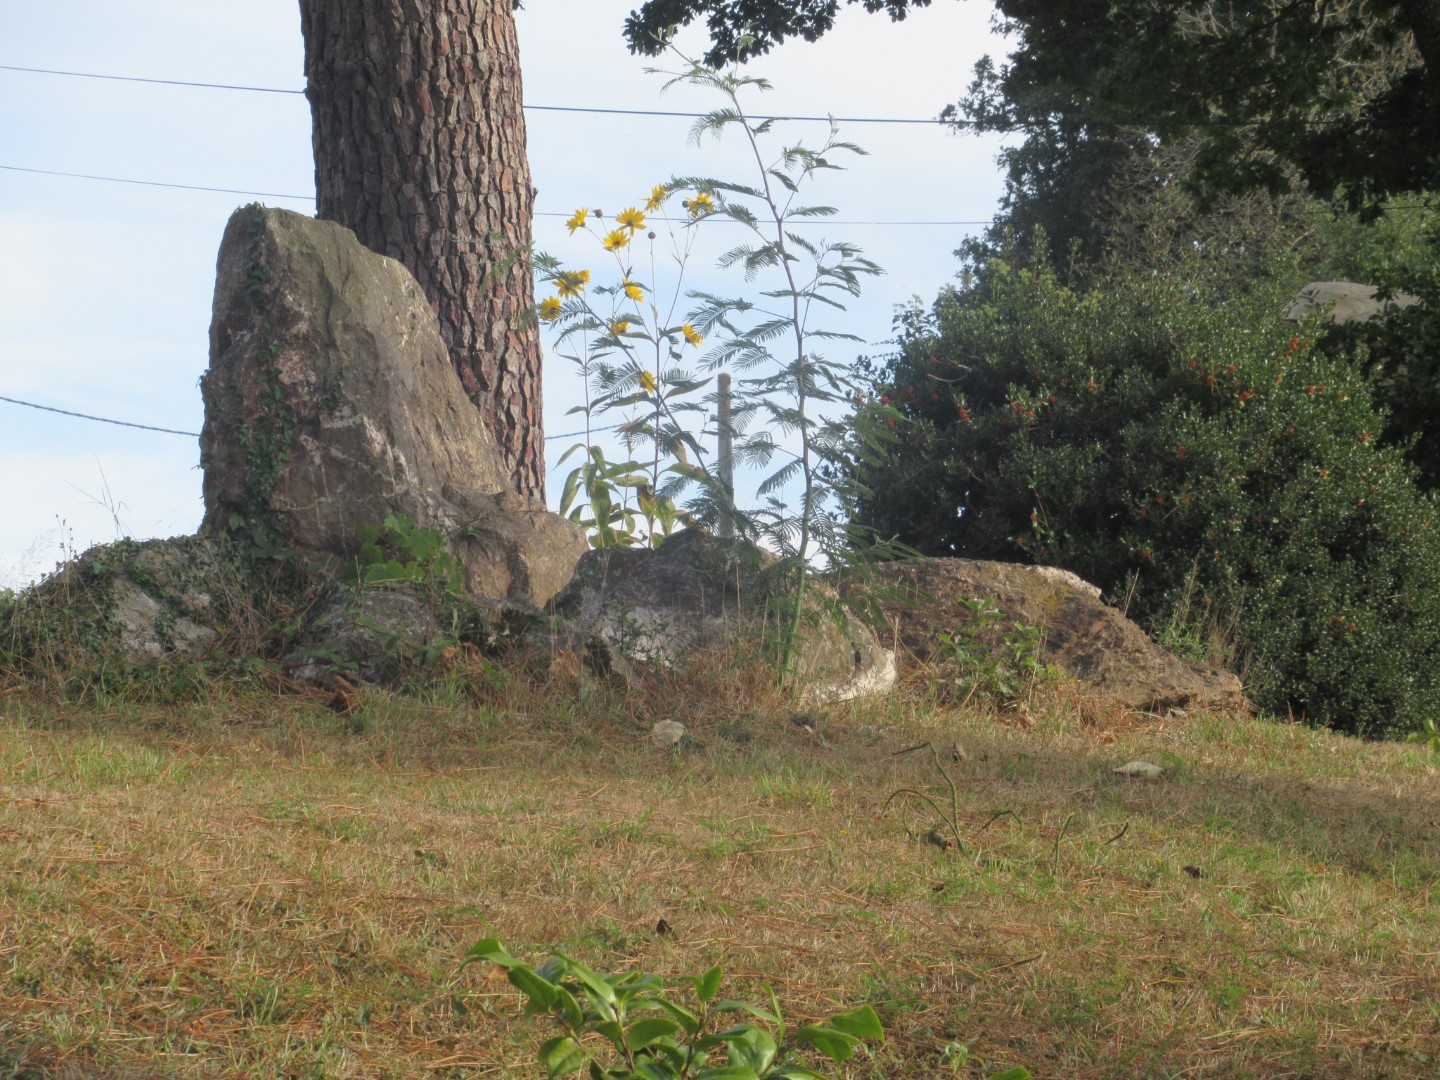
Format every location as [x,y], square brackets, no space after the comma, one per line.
[256,886]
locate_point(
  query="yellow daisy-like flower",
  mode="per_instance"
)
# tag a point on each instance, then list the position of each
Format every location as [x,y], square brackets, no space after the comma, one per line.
[571,282]
[658,194]
[616,240]
[550,308]
[631,219]
[692,336]
[577,220]
[619,326]
[700,204]
[647,381]
[633,291]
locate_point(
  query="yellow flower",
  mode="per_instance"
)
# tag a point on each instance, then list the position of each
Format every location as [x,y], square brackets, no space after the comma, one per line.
[577,220]
[701,204]
[631,219]
[647,381]
[616,240]
[633,291]
[692,335]
[571,282]
[619,326]
[658,195]
[550,308]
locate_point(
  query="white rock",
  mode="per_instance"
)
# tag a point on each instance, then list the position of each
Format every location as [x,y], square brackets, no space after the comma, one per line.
[1142,769]
[667,734]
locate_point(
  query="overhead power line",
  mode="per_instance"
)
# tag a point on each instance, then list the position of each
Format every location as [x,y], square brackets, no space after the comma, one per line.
[311,198]
[101,419]
[951,122]
[933,122]
[153,183]
[196,434]
[140,79]
[540,213]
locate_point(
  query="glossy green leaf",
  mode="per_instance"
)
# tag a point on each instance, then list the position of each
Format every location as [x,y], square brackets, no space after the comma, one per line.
[751,1046]
[532,986]
[729,1005]
[863,1023]
[569,1008]
[835,1045]
[644,1032]
[708,984]
[562,1056]
[681,1015]
[489,950]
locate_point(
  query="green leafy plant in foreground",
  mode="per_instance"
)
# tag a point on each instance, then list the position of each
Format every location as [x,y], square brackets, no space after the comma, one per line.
[674,1042]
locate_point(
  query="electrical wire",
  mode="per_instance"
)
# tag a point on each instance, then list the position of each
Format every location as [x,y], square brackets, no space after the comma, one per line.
[196,434]
[538,108]
[950,122]
[534,108]
[101,419]
[551,213]
[140,79]
[153,183]
[311,198]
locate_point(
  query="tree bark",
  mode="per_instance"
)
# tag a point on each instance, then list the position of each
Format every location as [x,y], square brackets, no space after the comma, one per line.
[419,143]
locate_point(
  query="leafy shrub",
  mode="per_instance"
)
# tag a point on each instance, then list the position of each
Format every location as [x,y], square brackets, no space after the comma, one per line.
[1404,349]
[1153,430]
[674,1042]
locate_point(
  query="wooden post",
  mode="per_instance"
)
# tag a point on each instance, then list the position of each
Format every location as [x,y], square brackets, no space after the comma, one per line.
[726,459]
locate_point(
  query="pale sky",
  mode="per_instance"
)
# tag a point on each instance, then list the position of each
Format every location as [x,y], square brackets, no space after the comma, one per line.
[105,288]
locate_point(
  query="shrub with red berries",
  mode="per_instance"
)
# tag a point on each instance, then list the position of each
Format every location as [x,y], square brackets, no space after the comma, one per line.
[1161,439]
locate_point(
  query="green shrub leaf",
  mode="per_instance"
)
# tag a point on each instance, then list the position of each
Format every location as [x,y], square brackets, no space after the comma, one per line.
[708,985]
[562,1056]
[644,1032]
[836,1045]
[863,1023]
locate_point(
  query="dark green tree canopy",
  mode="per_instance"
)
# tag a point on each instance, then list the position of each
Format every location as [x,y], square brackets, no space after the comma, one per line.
[1347,92]
[767,22]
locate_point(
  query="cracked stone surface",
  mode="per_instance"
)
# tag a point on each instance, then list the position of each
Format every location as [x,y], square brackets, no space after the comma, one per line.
[331,402]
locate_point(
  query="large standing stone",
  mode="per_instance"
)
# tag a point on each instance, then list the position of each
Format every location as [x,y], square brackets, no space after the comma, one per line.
[331,402]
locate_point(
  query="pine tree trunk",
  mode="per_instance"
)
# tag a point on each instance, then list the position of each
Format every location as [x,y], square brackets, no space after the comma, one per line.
[420,149]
